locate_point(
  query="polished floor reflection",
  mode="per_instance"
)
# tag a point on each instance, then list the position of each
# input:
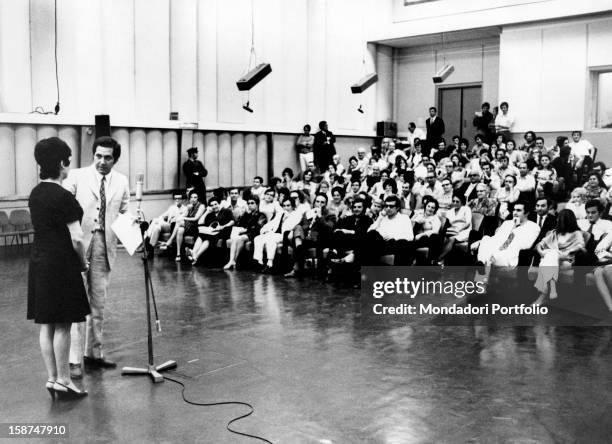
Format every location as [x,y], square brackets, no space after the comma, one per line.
[298,351]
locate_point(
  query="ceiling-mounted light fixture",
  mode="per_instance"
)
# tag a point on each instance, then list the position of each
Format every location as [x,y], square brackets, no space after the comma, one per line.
[447,68]
[443,73]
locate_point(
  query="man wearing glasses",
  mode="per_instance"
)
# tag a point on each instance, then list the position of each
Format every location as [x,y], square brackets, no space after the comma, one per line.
[391,233]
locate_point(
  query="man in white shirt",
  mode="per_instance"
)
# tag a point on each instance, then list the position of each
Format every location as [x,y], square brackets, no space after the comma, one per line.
[414,133]
[258,189]
[165,222]
[594,224]
[390,234]
[525,182]
[363,161]
[504,121]
[511,237]
[581,148]
[235,203]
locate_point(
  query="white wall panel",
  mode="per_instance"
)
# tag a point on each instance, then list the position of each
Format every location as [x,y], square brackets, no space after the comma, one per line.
[316,62]
[155,161]
[26,170]
[7,154]
[138,157]
[183,58]
[42,44]
[207,60]
[600,38]
[170,163]
[152,59]
[15,91]
[563,84]
[122,135]
[211,159]
[520,86]
[238,159]
[118,57]
[233,46]
[71,135]
[250,158]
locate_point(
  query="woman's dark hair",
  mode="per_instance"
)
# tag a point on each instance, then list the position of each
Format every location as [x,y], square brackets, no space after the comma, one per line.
[308,172]
[48,154]
[459,196]
[599,179]
[285,193]
[301,195]
[307,127]
[512,177]
[274,181]
[566,222]
[270,190]
[108,142]
[323,195]
[353,158]
[398,161]
[392,183]
[288,171]
[338,190]
[433,201]
[464,141]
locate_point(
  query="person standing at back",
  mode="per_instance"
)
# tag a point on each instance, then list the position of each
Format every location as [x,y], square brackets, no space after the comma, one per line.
[324,148]
[435,129]
[103,194]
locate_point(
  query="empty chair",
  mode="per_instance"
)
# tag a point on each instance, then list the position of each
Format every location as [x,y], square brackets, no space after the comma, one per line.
[22,222]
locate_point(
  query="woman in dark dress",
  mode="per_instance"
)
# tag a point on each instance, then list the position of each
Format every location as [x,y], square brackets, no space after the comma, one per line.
[248,226]
[56,293]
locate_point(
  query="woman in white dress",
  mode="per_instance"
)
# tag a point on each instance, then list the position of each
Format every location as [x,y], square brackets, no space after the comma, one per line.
[459,216]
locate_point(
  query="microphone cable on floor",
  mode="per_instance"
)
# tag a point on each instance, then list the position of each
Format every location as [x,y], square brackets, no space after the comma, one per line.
[210,404]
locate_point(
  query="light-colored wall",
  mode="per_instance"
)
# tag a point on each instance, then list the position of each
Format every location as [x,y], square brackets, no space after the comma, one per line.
[544,72]
[415,92]
[137,60]
[453,15]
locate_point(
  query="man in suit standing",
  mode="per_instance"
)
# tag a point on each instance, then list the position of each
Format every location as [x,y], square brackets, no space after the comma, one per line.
[195,173]
[324,148]
[103,194]
[435,129]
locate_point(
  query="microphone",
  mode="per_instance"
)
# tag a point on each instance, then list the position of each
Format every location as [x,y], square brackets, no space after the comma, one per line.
[139,185]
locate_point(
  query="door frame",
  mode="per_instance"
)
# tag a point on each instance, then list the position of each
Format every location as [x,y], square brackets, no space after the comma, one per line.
[440,88]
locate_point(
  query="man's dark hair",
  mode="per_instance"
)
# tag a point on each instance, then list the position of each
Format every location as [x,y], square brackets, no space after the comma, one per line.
[504,104]
[561,140]
[594,203]
[214,199]
[108,142]
[48,153]
[254,198]
[393,199]
[539,138]
[323,195]
[434,108]
[548,201]
[526,205]
[487,104]
[533,135]
[259,178]
[322,123]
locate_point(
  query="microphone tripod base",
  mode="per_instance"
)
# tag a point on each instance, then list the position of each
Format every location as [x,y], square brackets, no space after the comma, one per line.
[151,370]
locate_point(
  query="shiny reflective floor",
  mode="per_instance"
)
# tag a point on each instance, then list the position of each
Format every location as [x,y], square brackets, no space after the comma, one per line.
[297,351]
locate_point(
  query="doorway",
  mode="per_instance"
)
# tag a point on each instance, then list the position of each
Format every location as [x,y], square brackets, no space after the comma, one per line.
[457,106]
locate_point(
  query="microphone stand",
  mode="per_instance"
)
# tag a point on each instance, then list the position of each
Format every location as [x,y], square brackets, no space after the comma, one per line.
[152,370]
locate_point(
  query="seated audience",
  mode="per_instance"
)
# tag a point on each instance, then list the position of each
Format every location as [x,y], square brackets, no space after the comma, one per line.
[390,233]
[557,250]
[258,189]
[350,233]
[235,203]
[313,231]
[272,233]
[213,226]
[576,203]
[186,225]
[595,187]
[165,222]
[459,219]
[426,229]
[246,228]
[511,237]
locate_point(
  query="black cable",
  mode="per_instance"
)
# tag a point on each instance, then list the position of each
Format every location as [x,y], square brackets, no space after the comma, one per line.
[57,105]
[209,404]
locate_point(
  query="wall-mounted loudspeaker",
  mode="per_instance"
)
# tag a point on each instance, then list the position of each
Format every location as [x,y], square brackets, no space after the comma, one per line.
[386,129]
[103,125]
[253,77]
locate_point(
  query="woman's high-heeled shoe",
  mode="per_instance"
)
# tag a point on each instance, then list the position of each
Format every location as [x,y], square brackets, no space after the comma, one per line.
[49,387]
[65,392]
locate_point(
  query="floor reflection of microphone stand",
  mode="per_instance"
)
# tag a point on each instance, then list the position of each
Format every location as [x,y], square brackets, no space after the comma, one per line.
[152,369]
